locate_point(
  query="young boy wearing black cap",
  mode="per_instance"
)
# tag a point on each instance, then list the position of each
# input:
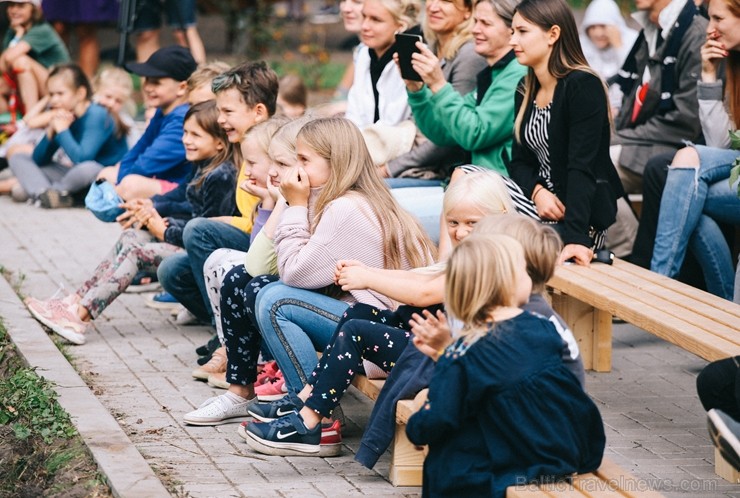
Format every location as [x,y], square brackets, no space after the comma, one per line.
[157,164]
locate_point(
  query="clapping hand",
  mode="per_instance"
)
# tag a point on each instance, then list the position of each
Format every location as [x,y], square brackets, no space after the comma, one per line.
[431,333]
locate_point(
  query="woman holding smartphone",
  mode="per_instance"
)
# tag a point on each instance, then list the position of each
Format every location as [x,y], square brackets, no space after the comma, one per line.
[479,121]
[377,93]
[448,31]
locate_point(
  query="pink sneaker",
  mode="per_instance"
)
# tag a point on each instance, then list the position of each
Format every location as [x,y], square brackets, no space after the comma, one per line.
[45,307]
[272,390]
[267,372]
[61,317]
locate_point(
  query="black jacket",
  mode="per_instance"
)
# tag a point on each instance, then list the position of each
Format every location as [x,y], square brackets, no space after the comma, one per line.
[579,134]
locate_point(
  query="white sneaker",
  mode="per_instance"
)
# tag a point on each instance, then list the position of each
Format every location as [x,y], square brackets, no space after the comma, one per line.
[185,317]
[220,409]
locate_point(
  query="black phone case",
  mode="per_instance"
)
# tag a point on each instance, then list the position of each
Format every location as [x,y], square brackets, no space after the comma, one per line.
[405,46]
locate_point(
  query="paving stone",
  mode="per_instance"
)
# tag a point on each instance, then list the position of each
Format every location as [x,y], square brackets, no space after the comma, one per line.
[139,364]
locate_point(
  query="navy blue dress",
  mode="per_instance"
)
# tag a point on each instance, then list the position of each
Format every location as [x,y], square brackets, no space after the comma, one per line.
[504,410]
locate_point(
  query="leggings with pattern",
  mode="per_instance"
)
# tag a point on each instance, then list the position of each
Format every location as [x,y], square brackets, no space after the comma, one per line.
[135,250]
[241,335]
[364,332]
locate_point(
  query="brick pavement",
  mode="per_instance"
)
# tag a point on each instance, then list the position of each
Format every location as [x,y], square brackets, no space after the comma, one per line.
[139,363]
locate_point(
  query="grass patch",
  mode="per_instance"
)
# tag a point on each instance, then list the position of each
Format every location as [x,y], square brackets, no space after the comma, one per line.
[41,453]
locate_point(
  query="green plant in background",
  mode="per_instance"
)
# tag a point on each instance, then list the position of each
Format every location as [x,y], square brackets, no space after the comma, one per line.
[735,171]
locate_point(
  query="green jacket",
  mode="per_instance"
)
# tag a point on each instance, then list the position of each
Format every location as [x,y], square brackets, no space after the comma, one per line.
[486,130]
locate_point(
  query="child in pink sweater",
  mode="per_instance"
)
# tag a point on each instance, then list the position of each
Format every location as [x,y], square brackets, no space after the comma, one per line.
[338,208]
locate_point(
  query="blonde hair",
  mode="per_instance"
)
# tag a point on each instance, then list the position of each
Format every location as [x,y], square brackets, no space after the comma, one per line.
[117,77]
[462,34]
[205,73]
[404,12]
[262,133]
[484,189]
[284,138]
[340,142]
[482,275]
[542,245]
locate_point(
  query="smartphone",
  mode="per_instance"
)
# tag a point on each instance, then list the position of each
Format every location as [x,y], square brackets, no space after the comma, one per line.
[405,46]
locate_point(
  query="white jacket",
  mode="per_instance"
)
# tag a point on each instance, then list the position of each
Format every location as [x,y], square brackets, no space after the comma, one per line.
[393,104]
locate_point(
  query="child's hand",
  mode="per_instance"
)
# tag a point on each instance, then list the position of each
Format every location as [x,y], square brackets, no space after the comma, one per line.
[341,264]
[61,120]
[353,277]
[431,333]
[128,218]
[250,186]
[295,187]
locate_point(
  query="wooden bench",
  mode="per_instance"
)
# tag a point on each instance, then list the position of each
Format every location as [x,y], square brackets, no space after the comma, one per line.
[694,320]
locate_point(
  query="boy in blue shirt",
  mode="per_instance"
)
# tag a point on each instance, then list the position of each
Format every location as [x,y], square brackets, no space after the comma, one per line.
[157,164]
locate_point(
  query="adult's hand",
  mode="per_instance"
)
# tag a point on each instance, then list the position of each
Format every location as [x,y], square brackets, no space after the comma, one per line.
[548,205]
[581,255]
[712,53]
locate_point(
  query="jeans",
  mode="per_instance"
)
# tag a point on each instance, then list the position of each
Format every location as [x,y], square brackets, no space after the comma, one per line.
[695,201]
[182,274]
[425,203]
[411,182]
[295,323]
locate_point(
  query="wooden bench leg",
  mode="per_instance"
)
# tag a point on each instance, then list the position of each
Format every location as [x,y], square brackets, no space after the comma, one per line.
[592,329]
[406,461]
[723,469]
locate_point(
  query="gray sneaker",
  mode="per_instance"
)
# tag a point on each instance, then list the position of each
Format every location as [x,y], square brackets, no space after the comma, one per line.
[18,194]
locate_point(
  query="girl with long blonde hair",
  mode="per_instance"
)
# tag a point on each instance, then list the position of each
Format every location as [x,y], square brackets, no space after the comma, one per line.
[337,208]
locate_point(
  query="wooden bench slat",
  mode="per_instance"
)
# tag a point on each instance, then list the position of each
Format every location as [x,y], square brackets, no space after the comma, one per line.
[528,492]
[369,387]
[404,410]
[627,484]
[718,309]
[617,299]
[587,282]
[591,485]
[695,294]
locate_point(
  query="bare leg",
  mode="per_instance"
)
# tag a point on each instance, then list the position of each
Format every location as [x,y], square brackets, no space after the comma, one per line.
[31,78]
[147,42]
[246,392]
[110,174]
[87,36]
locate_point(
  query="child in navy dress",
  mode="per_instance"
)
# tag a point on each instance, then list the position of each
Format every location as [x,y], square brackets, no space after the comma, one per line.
[502,408]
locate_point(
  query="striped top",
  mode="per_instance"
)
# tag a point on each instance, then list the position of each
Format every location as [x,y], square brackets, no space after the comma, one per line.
[536,138]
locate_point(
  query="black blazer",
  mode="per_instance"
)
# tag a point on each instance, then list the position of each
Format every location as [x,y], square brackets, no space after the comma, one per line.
[579,134]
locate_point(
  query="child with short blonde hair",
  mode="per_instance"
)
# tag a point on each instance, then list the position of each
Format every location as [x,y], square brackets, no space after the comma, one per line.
[501,406]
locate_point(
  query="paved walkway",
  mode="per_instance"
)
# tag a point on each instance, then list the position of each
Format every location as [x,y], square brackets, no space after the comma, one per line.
[139,363]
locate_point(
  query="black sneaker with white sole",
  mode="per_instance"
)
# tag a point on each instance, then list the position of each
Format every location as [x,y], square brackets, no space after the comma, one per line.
[286,436]
[271,410]
[725,433]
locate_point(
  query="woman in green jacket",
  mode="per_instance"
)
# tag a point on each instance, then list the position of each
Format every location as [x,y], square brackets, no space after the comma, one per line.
[481,122]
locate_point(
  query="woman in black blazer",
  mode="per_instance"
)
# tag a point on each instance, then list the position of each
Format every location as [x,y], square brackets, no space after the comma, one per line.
[560,158]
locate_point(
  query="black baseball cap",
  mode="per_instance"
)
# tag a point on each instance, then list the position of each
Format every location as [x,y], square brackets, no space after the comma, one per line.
[174,62]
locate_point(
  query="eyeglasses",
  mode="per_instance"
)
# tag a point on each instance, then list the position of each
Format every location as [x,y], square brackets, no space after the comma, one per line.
[225,80]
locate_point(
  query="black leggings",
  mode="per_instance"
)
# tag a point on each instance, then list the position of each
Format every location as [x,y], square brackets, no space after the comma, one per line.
[718,385]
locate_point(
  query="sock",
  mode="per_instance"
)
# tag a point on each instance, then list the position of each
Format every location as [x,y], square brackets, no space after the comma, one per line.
[235,399]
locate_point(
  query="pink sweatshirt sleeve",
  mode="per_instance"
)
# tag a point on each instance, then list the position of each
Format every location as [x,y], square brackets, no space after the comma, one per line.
[347,230]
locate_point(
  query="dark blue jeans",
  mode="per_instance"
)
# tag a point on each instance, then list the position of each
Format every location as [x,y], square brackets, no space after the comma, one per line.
[182,274]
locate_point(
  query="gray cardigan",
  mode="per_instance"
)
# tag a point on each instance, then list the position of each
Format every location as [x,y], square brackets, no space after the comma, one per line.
[715,121]
[461,72]
[663,132]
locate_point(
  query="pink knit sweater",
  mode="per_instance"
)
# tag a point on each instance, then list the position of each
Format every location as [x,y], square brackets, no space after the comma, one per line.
[348,230]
